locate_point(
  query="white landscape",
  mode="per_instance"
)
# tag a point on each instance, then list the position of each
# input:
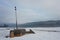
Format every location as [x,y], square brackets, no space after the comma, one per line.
[40,34]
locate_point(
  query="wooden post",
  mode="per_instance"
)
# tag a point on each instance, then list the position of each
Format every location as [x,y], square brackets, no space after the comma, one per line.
[11,34]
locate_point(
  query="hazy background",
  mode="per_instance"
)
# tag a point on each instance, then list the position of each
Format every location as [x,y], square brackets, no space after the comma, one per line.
[29,10]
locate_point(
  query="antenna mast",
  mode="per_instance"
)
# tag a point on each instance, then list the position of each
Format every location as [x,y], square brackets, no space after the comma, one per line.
[16,17]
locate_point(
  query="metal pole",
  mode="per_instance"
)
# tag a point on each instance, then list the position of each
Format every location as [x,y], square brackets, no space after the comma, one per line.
[16,17]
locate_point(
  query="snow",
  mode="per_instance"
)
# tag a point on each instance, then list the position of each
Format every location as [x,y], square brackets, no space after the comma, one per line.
[39,35]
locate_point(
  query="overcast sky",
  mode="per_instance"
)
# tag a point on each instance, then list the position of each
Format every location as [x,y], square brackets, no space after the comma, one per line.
[29,10]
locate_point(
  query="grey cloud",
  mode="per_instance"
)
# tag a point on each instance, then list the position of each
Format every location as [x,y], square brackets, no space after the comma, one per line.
[30,10]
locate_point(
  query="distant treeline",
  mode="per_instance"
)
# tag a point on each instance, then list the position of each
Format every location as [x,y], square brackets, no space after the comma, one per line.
[4,25]
[51,23]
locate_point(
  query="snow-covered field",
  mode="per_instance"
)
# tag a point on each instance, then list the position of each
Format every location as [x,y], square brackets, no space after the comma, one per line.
[52,33]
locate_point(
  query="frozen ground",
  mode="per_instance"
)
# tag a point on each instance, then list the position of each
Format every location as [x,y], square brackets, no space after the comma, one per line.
[40,34]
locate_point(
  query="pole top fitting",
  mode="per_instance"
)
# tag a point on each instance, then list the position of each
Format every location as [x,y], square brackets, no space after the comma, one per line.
[15,7]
